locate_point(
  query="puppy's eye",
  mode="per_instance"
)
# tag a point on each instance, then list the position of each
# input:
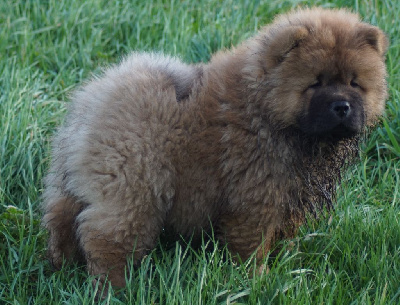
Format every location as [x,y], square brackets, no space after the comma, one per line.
[354,84]
[316,84]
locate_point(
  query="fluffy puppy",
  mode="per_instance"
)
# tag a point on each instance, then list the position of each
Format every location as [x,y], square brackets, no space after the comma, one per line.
[250,142]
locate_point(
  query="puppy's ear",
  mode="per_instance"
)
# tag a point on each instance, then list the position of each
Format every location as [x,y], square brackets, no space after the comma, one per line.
[374,37]
[281,41]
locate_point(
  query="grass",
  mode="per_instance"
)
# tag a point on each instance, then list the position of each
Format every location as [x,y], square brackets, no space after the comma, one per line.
[48,47]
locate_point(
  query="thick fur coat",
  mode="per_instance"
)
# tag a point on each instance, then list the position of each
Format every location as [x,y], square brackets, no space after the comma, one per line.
[248,143]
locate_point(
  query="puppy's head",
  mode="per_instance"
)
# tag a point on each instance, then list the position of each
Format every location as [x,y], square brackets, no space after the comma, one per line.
[323,72]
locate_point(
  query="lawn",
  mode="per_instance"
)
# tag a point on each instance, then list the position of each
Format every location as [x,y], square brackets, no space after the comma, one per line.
[47,48]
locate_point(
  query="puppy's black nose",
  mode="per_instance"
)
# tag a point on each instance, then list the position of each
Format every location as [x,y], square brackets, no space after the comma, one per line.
[341,109]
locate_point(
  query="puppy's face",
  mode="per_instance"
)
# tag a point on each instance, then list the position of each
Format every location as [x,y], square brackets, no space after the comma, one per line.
[343,89]
[335,109]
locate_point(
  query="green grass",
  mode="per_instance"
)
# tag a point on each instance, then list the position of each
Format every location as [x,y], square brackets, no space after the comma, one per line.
[48,47]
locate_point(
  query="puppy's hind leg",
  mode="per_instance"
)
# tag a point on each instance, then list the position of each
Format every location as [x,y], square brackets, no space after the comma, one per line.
[110,234]
[60,220]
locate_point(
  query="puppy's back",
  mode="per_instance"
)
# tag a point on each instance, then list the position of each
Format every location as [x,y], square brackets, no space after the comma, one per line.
[130,104]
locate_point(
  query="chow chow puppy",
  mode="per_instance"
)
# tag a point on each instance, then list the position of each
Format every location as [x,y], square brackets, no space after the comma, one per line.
[250,143]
